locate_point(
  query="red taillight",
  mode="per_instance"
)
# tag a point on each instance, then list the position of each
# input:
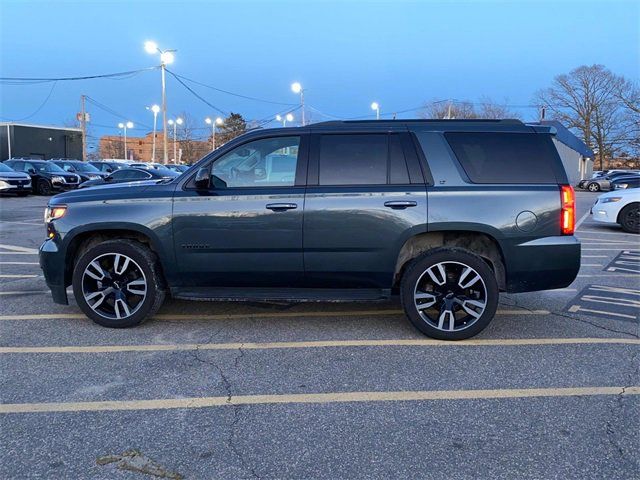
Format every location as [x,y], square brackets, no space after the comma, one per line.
[568,215]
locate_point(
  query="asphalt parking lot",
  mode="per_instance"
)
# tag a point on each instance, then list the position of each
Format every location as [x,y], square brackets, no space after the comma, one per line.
[224,390]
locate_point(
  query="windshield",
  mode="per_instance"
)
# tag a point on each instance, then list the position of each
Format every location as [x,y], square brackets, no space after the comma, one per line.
[85,167]
[47,167]
[4,168]
[165,172]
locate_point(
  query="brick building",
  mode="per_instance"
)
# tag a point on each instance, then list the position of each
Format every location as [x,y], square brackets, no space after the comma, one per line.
[141,148]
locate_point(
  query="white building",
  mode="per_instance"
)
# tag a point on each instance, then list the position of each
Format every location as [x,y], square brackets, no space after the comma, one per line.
[576,157]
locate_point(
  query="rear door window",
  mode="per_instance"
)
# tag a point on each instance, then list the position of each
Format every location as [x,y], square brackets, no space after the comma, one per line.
[505,157]
[353,159]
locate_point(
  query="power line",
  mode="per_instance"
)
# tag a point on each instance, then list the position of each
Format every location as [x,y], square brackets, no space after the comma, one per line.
[40,107]
[195,93]
[19,80]
[247,97]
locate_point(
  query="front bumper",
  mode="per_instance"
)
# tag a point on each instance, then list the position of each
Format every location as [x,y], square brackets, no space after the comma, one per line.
[605,212]
[542,264]
[52,263]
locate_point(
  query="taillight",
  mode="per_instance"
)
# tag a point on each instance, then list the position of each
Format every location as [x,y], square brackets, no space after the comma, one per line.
[568,215]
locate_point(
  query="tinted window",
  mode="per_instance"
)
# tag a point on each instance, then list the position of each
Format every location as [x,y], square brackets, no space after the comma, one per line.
[353,159]
[269,162]
[505,157]
[129,175]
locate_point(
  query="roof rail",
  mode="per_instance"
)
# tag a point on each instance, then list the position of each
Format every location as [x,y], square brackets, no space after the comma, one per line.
[506,121]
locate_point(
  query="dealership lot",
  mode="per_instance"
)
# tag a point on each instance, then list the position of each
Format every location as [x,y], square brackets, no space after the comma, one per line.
[550,389]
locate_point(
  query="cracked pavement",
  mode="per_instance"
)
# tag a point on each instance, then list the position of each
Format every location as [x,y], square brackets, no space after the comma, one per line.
[590,436]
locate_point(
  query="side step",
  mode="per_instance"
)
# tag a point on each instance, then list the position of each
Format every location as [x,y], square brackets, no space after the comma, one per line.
[239,294]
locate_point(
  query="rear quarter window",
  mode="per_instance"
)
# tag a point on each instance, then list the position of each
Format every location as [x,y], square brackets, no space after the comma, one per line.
[505,157]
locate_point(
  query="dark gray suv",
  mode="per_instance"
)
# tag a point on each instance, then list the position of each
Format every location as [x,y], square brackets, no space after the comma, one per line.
[444,213]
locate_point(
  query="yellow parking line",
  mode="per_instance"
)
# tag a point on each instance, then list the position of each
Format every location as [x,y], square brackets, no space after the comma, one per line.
[403,342]
[233,316]
[317,398]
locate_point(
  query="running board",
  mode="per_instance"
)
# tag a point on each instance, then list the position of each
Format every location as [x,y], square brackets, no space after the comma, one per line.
[239,294]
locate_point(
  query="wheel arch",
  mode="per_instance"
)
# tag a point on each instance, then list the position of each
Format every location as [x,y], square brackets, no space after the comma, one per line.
[81,239]
[482,244]
[620,211]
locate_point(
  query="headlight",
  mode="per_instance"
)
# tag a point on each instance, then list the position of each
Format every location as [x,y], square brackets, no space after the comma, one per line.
[621,185]
[94,177]
[53,213]
[611,199]
[3,184]
[57,179]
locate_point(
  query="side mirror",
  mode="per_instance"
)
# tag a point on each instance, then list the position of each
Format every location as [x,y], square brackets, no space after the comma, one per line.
[108,169]
[203,178]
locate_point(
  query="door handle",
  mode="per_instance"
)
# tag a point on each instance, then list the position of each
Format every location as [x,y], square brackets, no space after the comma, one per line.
[400,205]
[281,207]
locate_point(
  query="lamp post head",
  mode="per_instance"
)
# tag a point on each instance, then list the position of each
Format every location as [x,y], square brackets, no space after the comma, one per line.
[296,87]
[121,125]
[375,106]
[289,117]
[155,109]
[167,58]
[151,47]
[278,118]
[179,121]
[129,124]
[219,121]
[207,121]
[170,122]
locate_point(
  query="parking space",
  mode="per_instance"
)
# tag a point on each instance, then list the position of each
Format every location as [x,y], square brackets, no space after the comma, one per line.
[324,390]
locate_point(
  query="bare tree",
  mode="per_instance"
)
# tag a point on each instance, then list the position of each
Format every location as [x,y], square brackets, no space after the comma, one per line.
[193,148]
[587,99]
[485,109]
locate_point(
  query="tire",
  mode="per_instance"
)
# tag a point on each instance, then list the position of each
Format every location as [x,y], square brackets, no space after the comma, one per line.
[134,287]
[472,305]
[629,218]
[43,187]
[593,187]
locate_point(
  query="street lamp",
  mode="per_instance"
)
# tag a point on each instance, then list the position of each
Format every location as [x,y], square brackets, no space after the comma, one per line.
[287,118]
[166,58]
[213,123]
[124,126]
[297,88]
[155,109]
[178,121]
[376,107]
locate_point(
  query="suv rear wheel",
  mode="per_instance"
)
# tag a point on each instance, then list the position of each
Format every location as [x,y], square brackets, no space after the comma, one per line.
[449,294]
[117,283]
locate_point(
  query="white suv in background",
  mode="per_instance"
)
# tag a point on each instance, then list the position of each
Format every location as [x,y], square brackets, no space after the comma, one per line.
[621,207]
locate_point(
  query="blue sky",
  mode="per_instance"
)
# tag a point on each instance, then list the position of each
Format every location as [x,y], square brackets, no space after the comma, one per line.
[346,54]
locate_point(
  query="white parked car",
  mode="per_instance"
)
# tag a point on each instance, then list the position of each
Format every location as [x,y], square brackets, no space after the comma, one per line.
[619,206]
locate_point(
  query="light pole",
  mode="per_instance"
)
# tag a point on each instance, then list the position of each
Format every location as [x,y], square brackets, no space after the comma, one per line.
[375,106]
[297,88]
[213,123]
[155,109]
[124,126]
[166,58]
[178,121]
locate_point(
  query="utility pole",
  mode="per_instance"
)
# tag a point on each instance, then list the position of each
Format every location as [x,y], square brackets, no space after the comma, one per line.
[165,145]
[83,125]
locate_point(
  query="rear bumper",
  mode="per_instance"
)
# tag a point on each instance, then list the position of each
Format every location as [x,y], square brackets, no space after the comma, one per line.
[53,266]
[543,264]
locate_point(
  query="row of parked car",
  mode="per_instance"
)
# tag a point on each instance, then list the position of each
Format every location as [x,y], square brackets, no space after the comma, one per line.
[45,177]
[611,180]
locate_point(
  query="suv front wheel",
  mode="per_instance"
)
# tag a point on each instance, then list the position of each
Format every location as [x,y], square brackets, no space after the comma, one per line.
[449,294]
[117,283]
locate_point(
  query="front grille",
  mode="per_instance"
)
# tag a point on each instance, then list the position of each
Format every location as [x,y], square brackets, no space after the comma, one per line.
[71,179]
[18,182]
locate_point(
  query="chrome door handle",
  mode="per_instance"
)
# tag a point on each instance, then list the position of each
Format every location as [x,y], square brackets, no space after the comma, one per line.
[400,205]
[281,207]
